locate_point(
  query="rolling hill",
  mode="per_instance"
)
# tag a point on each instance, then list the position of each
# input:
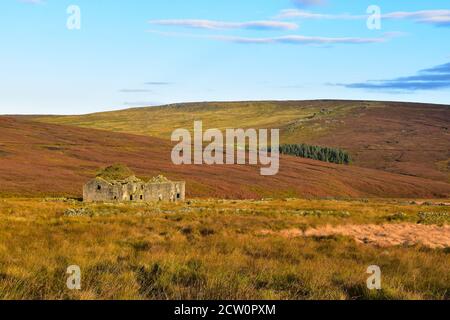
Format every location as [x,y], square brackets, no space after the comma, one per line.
[43,159]
[406,138]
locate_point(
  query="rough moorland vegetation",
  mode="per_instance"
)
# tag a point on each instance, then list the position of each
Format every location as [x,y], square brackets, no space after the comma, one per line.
[217,249]
[378,135]
[115,172]
[56,160]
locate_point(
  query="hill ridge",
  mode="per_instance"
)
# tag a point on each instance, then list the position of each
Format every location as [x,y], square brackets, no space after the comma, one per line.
[56,160]
[389,136]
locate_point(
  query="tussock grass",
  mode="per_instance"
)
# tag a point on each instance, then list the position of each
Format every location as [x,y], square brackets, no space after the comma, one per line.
[209,249]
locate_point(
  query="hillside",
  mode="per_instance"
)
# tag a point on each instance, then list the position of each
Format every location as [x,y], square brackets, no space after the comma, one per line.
[406,138]
[47,159]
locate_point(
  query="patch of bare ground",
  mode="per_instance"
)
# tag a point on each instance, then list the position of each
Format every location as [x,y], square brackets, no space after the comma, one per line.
[386,235]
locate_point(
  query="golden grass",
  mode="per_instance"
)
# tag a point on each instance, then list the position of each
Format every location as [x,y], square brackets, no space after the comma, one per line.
[211,249]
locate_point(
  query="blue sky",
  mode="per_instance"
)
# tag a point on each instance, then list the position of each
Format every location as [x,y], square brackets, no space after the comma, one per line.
[135,53]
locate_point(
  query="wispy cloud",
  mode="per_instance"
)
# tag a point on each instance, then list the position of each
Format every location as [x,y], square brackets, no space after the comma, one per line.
[290,39]
[299,39]
[307,3]
[135,90]
[439,18]
[158,83]
[434,78]
[31,1]
[221,25]
[303,14]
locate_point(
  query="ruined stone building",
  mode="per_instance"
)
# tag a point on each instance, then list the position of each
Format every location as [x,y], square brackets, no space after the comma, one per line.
[133,189]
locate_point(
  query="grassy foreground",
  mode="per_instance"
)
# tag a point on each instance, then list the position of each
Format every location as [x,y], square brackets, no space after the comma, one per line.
[211,250]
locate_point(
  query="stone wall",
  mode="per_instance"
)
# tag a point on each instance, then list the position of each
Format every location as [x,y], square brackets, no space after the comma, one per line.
[170,191]
[99,190]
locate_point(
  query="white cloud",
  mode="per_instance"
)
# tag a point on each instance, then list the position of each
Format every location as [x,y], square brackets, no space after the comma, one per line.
[302,14]
[211,24]
[433,17]
[307,3]
[135,90]
[32,1]
[291,39]
[299,39]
